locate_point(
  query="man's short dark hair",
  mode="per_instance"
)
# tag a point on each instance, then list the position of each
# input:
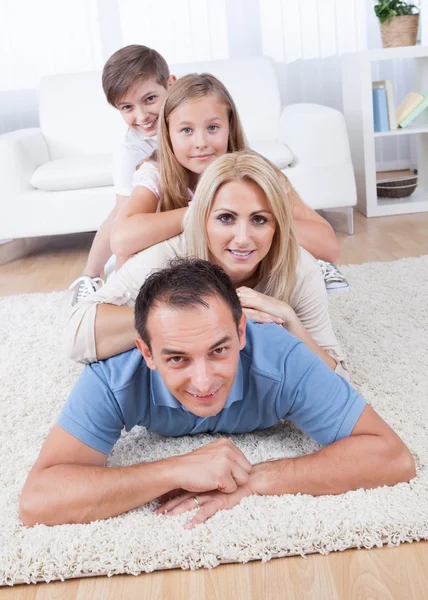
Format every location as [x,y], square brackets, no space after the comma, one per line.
[184,283]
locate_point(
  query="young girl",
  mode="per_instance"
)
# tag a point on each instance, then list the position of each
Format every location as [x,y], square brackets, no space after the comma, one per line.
[198,123]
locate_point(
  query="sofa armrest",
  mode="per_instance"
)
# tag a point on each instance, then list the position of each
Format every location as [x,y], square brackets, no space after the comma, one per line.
[321,172]
[315,134]
[21,153]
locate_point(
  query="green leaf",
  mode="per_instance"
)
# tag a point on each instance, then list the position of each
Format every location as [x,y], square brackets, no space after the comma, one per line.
[386,10]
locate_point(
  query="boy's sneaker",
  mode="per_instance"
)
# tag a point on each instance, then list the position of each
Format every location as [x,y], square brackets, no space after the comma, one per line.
[333,278]
[83,287]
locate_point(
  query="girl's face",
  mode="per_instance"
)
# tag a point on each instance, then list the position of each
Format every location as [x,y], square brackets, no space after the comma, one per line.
[240,229]
[199,132]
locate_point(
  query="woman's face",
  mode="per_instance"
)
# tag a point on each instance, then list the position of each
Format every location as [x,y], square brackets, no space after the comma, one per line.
[240,229]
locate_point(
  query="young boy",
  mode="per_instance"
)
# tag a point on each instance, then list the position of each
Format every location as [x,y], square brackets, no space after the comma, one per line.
[135,81]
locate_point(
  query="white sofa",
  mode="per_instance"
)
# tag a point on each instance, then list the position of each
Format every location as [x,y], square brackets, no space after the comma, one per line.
[57,179]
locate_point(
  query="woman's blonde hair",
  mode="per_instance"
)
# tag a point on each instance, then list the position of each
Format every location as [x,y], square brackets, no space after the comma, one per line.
[278,269]
[174,177]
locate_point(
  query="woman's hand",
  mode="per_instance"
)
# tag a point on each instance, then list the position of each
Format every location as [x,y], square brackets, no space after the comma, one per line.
[264,309]
[208,503]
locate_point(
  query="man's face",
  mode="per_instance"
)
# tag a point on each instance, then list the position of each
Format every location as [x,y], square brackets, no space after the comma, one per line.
[196,352]
[141,105]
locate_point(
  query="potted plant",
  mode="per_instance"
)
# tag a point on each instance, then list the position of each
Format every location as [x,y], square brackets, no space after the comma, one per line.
[398,22]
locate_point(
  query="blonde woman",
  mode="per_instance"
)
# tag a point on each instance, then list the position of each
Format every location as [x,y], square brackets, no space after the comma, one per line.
[240,219]
[198,123]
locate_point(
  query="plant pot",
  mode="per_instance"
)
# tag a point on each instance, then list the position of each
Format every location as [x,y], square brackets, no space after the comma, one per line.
[400,31]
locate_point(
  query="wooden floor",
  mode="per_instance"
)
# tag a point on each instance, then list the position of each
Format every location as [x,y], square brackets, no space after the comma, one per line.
[379,574]
[59,259]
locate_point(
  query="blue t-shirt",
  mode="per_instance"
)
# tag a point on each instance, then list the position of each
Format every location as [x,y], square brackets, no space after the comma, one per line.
[278,377]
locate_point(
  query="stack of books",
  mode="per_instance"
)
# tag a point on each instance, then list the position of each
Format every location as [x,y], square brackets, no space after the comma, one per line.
[385,116]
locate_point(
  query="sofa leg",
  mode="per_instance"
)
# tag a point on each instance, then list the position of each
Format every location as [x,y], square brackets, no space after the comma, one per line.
[15,249]
[341,219]
[349,211]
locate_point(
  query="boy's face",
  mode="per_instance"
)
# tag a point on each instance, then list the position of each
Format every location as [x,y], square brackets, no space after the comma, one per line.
[140,106]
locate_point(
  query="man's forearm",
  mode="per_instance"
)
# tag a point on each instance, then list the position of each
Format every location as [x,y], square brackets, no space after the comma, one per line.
[114,330]
[139,231]
[317,238]
[363,461]
[70,493]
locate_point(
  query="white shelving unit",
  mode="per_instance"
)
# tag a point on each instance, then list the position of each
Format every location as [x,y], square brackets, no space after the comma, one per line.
[357,77]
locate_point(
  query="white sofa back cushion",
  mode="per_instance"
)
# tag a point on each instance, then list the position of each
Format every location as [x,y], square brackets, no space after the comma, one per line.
[75,118]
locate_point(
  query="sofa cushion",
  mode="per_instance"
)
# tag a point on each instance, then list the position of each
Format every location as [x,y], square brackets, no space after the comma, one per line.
[74,173]
[91,127]
[276,152]
[97,171]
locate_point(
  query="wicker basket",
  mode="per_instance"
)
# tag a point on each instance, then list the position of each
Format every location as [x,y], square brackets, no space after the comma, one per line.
[400,31]
[397,188]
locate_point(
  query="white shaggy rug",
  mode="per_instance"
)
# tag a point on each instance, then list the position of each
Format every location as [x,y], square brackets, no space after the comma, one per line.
[382,324]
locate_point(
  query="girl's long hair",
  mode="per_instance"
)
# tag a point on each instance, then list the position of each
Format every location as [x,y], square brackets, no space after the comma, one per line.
[278,268]
[174,177]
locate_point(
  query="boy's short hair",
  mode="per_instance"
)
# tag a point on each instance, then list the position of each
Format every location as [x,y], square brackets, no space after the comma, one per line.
[184,283]
[129,65]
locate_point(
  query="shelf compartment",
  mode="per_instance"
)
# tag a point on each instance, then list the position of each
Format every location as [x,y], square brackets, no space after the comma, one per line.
[417,202]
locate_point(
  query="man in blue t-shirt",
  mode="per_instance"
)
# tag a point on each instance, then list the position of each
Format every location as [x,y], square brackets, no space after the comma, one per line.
[200,367]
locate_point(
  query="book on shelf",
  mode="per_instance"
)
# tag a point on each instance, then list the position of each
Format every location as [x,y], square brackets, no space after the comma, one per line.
[416,111]
[380,109]
[409,104]
[387,85]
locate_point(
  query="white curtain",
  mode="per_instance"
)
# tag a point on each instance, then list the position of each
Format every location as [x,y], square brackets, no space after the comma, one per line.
[181,30]
[43,37]
[308,29]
